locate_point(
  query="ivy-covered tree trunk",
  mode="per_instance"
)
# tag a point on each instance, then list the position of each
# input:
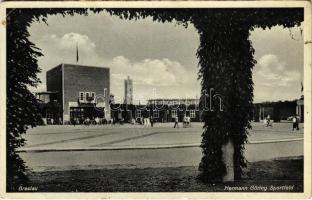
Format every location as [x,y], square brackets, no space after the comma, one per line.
[226,62]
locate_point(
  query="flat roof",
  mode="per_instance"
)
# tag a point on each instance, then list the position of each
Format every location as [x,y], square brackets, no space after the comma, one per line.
[46,92]
[78,65]
[173,99]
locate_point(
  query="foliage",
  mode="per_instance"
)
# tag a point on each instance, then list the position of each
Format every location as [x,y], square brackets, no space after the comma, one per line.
[22,69]
[225,63]
[21,104]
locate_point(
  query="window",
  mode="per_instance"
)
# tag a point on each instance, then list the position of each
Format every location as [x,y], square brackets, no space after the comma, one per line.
[174,113]
[88,96]
[81,96]
[192,113]
[93,96]
[138,113]
[155,113]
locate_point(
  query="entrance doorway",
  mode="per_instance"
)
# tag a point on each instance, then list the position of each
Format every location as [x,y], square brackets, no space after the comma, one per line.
[80,114]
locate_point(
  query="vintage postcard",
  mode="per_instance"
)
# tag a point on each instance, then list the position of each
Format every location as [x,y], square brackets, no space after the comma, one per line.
[155,99]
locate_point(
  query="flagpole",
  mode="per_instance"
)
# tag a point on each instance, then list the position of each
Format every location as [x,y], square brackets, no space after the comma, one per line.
[77,53]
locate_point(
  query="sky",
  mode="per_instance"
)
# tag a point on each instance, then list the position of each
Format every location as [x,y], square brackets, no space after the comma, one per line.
[161,57]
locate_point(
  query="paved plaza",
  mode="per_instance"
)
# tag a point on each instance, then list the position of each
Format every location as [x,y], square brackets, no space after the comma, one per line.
[133,146]
[138,136]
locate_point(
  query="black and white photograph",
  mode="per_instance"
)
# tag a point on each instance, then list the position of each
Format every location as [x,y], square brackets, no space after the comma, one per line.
[154,97]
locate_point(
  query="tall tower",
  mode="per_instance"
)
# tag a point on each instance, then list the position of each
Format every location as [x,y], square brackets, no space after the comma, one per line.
[128,91]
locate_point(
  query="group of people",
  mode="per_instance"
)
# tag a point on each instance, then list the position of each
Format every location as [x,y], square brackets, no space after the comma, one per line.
[90,121]
[295,122]
[186,122]
[52,121]
[144,121]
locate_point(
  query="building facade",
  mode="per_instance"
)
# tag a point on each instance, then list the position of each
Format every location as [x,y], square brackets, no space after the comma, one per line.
[176,101]
[160,110]
[277,111]
[83,91]
[49,107]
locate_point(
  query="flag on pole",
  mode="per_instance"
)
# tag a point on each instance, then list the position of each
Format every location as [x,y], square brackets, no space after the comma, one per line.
[77,54]
[301,87]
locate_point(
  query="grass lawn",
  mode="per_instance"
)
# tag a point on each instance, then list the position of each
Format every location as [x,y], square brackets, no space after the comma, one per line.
[287,172]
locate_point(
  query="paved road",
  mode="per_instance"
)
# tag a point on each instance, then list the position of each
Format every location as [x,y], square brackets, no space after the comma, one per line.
[265,143]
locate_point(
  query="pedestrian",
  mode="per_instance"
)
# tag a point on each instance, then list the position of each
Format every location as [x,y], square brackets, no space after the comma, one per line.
[74,122]
[176,122]
[148,122]
[152,121]
[132,121]
[268,120]
[138,120]
[87,123]
[265,121]
[297,122]
[189,121]
[97,121]
[294,122]
[184,121]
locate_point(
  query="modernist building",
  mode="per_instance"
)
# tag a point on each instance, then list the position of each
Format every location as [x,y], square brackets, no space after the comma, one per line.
[82,91]
[128,91]
[166,110]
[161,110]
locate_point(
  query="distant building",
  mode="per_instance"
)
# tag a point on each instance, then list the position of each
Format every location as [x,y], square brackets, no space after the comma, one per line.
[83,91]
[165,110]
[300,108]
[278,111]
[173,101]
[161,110]
[128,91]
[159,114]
